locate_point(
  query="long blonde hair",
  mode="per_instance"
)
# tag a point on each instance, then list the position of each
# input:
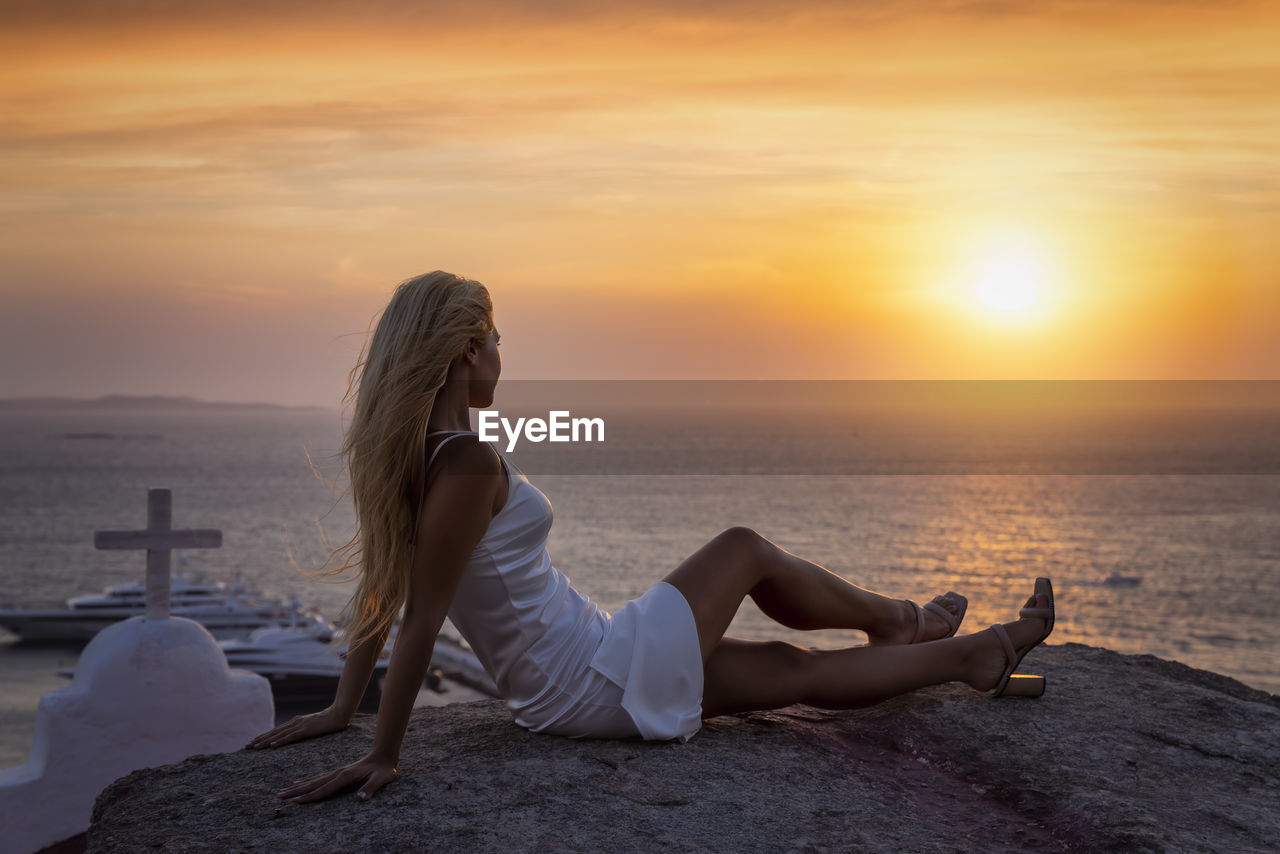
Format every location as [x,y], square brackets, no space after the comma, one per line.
[430,321]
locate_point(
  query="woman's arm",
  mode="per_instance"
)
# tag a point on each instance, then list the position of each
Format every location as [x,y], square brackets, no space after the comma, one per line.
[454,518]
[356,671]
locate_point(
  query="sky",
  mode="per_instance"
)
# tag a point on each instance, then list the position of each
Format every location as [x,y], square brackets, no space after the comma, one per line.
[216,198]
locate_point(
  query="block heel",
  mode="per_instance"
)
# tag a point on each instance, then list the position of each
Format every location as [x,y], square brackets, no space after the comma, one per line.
[1024,685]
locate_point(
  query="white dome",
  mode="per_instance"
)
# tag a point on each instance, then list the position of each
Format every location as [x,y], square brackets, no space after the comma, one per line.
[139,655]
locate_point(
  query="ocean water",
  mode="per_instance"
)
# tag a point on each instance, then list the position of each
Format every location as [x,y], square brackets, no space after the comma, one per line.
[1205,546]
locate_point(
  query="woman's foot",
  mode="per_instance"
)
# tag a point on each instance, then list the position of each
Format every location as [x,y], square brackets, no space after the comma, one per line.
[989,662]
[903,625]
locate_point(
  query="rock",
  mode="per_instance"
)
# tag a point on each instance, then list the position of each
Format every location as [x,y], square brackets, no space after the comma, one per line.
[1124,753]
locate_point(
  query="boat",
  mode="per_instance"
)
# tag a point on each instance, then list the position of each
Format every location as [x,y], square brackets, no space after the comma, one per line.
[226,610]
[1115,579]
[300,660]
[304,661]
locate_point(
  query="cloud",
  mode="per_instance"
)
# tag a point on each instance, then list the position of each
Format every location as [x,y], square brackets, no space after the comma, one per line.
[401,13]
[283,155]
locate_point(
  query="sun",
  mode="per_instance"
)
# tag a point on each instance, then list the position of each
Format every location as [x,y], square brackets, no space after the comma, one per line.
[1009,282]
[1011,274]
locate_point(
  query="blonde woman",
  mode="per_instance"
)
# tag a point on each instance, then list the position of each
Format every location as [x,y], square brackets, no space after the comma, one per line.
[447,527]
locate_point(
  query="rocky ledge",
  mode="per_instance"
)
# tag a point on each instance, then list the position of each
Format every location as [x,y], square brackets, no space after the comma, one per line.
[1124,753]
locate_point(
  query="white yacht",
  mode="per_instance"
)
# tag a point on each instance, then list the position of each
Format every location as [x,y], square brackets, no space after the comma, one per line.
[226,610]
[303,661]
[300,659]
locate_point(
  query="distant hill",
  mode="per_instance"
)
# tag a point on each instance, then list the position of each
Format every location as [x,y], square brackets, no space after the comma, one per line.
[124,402]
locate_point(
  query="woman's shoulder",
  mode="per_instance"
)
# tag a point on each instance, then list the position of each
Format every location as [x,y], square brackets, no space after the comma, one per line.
[462,453]
[464,467]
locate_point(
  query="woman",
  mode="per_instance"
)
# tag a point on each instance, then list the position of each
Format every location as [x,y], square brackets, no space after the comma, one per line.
[447,528]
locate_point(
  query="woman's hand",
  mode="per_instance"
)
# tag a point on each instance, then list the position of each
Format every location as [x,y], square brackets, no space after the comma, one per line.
[303,726]
[373,771]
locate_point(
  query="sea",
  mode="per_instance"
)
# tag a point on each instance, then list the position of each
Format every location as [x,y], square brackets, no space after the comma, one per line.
[1161,530]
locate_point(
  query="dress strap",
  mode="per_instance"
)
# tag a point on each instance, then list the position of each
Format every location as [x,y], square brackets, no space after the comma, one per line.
[453,434]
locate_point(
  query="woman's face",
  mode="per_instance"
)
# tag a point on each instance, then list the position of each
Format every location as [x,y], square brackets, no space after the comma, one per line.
[485,371]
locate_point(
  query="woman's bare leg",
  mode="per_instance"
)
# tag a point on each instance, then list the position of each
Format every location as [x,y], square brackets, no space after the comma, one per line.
[744,676]
[795,592]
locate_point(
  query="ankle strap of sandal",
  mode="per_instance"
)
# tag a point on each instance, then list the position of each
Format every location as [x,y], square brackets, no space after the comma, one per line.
[1010,654]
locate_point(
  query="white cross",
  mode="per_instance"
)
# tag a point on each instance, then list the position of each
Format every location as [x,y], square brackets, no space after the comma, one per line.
[158,539]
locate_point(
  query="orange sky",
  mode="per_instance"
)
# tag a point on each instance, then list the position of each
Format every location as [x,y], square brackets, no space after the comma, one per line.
[215,201]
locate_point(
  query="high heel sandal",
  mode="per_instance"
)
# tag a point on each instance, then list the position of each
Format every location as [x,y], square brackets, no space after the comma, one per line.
[952,620]
[1018,684]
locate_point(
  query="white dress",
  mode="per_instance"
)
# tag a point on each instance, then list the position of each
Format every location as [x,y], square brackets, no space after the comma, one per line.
[562,664]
